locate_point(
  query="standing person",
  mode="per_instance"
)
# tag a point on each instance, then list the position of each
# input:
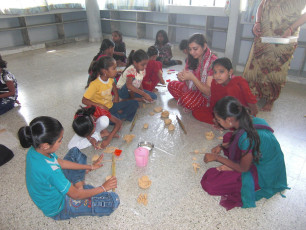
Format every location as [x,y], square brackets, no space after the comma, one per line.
[90,127]
[130,83]
[164,49]
[225,83]
[106,49]
[267,66]
[57,186]
[8,88]
[254,165]
[100,87]
[192,91]
[154,71]
[120,50]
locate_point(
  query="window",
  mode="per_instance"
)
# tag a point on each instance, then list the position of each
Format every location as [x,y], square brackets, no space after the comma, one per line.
[217,3]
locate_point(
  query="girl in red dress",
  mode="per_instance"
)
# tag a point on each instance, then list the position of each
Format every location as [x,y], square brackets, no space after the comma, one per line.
[226,84]
[154,72]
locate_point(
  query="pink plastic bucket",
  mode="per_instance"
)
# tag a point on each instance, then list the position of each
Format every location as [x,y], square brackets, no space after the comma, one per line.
[141,156]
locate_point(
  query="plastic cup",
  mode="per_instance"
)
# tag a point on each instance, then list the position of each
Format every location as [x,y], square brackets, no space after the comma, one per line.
[141,156]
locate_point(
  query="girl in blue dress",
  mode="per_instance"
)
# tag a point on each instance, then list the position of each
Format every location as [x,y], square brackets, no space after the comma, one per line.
[57,186]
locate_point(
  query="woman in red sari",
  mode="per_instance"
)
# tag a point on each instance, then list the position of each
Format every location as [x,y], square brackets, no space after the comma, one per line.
[192,91]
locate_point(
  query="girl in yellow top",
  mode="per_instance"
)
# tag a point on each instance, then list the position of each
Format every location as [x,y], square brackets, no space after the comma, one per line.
[100,88]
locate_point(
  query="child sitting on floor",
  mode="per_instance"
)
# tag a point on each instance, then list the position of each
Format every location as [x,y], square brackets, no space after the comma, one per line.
[154,72]
[90,125]
[8,88]
[224,83]
[57,186]
[120,50]
[164,49]
[100,87]
[254,166]
[106,49]
[130,83]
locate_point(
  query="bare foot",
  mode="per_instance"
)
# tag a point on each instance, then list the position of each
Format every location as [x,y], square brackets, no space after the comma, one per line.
[267,107]
[155,90]
[104,133]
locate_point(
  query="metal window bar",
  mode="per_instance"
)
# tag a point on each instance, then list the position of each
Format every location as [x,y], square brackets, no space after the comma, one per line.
[170,2]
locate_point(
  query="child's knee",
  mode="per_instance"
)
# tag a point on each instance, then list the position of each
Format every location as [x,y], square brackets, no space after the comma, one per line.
[105,203]
[134,104]
[209,182]
[75,155]
[153,96]
[102,123]
[116,200]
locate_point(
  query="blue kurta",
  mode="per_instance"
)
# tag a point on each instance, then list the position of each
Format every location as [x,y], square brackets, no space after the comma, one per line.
[271,168]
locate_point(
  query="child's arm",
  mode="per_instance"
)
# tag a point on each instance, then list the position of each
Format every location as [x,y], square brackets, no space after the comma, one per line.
[130,86]
[11,88]
[243,166]
[94,142]
[160,77]
[72,165]
[88,102]
[118,124]
[218,148]
[253,108]
[168,52]
[80,194]
[119,53]
[116,95]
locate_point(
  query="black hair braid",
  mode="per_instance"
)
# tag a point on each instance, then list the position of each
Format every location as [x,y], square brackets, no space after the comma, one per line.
[246,123]
[103,63]
[231,107]
[106,43]
[86,111]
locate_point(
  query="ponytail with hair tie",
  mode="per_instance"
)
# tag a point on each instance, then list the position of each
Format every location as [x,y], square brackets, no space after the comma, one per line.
[103,63]
[136,56]
[41,130]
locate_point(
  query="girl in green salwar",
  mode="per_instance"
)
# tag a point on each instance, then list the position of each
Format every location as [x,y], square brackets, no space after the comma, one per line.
[253,165]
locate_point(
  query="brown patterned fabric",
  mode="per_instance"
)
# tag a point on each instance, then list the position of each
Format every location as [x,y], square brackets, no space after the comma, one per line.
[267,66]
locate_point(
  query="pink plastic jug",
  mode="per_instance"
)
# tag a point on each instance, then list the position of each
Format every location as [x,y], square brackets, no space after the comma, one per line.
[141,156]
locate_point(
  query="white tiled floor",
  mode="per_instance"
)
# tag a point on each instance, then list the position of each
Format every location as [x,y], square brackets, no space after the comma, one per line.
[52,83]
